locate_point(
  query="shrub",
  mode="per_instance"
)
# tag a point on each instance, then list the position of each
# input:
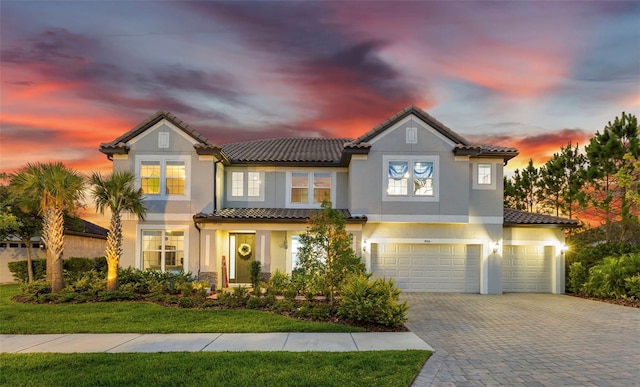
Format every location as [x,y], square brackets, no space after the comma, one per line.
[254,273]
[608,279]
[78,264]
[282,306]
[590,255]
[31,291]
[278,283]
[90,281]
[633,286]
[186,302]
[366,301]
[19,270]
[254,302]
[236,299]
[578,275]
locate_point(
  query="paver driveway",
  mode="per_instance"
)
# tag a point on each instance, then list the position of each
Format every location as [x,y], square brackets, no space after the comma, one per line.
[525,339]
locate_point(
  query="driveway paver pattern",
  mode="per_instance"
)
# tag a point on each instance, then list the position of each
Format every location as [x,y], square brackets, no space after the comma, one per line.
[525,340]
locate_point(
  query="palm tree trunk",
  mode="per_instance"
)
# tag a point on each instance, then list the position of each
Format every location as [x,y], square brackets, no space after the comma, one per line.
[114,251]
[53,237]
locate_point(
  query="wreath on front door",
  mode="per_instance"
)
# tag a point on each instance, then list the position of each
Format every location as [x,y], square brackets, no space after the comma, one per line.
[244,250]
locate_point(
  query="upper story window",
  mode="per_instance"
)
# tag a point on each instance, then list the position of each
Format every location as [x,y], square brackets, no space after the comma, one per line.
[483,176]
[163,177]
[309,189]
[411,178]
[247,185]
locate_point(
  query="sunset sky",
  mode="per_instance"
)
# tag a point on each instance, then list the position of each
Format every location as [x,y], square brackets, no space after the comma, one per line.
[533,75]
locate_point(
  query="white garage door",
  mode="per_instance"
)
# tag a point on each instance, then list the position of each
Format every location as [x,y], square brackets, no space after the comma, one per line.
[428,268]
[527,269]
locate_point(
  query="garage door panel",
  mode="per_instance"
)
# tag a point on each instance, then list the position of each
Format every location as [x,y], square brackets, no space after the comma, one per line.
[436,268]
[527,269]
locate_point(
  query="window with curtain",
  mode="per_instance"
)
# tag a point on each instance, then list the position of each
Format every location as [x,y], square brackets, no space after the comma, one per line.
[398,176]
[423,178]
[411,178]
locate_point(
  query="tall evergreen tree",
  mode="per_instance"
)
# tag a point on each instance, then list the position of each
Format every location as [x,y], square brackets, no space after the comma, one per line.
[606,155]
[561,180]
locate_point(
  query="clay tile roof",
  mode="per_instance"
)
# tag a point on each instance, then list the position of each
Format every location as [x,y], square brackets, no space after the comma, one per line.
[120,144]
[287,150]
[523,218]
[482,150]
[269,215]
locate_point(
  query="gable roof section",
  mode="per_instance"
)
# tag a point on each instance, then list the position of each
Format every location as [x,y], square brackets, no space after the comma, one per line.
[291,150]
[463,147]
[268,215]
[120,145]
[523,219]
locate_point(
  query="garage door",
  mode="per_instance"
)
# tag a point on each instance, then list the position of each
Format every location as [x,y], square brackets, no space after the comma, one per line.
[428,268]
[527,269]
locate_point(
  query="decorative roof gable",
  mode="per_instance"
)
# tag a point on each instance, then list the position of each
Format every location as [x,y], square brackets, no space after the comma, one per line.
[462,146]
[121,144]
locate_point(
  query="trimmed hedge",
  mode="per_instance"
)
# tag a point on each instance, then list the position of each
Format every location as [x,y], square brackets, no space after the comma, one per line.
[73,267]
[19,270]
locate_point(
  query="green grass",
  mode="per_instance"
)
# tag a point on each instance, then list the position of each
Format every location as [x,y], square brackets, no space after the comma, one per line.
[142,317]
[383,368]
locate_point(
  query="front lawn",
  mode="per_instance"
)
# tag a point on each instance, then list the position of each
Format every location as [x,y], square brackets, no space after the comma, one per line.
[383,368]
[142,317]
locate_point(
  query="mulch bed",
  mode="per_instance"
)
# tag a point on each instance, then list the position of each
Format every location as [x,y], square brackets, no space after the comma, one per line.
[624,302]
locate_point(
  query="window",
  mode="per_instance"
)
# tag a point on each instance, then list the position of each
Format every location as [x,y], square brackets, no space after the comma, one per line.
[254,182]
[300,187]
[295,245]
[309,188]
[237,184]
[162,177]
[484,174]
[163,250]
[411,178]
[247,185]
[163,140]
[150,177]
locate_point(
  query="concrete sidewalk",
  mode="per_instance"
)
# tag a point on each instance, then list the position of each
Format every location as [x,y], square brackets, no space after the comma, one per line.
[195,342]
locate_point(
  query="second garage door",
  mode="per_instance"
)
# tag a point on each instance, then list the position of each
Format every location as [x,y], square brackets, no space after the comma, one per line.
[427,267]
[527,269]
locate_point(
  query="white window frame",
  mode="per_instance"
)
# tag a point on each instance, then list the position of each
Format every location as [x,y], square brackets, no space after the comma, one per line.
[310,193]
[237,184]
[246,193]
[410,197]
[164,228]
[476,176]
[163,168]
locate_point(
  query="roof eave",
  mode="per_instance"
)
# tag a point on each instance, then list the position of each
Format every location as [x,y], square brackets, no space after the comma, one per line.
[540,225]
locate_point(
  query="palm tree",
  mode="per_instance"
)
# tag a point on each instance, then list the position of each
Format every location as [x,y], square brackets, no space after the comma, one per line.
[117,193]
[52,189]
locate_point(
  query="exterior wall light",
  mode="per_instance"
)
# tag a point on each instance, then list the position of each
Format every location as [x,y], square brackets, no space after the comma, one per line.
[564,248]
[496,247]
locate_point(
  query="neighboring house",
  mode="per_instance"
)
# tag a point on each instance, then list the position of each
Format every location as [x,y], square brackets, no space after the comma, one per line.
[425,206]
[81,239]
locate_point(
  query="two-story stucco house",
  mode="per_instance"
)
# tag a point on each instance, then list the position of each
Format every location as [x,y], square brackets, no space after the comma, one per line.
[424,205]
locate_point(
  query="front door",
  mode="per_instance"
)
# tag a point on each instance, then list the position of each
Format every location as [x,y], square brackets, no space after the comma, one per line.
[242,253]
